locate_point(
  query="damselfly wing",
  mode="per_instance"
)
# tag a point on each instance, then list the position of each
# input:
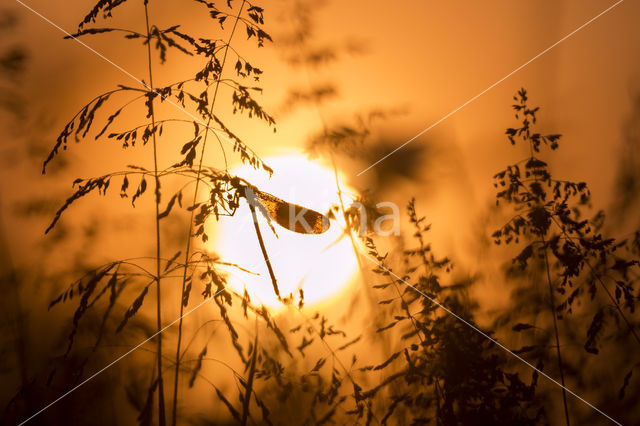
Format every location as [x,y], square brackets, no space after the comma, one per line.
[292,216]
[288,215]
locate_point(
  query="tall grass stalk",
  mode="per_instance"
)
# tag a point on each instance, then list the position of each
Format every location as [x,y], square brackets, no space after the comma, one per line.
[552,303]
[552,307]
[187,252]
[161,409]
[549,217]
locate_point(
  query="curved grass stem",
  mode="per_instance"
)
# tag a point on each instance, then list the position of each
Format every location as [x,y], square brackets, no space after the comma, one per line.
[191,219]
[555,328]
[161,407]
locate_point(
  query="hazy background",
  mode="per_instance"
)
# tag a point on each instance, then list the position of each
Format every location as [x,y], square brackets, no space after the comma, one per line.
[423,59]
[414,60]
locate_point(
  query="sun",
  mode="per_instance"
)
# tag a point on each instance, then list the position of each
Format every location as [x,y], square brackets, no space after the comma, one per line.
[322,265]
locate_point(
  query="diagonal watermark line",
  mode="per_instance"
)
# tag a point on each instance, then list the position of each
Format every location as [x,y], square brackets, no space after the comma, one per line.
[130,351]
[223,136]
[494,341]
[127,73]
[491,87]
[138,346]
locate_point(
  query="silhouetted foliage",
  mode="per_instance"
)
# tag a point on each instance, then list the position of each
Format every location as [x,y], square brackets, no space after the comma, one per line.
[443,371]
[196,97]
[420,357]
[581,265]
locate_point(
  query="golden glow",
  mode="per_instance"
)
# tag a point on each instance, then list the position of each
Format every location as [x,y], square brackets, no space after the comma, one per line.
[322,265]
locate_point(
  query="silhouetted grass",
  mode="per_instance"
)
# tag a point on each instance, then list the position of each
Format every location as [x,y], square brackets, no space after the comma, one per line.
[406,362]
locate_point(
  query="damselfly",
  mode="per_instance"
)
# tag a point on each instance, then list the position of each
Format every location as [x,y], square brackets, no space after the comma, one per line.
[288,215]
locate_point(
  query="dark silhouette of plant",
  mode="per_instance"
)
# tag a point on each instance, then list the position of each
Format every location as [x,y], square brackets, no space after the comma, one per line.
[246,70]
[441,369]
[301,368]
[574,257]
[196,96]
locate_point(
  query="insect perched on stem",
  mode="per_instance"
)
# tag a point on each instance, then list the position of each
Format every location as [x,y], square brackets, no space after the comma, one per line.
[288,215]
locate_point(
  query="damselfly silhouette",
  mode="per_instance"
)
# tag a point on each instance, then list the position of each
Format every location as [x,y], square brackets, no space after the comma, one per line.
[288,215]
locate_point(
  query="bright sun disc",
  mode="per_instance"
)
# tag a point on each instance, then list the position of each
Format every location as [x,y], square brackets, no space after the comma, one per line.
[321,264]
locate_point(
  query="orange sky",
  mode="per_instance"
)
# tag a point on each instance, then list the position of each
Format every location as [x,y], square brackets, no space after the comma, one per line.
[428,58]
[424,58]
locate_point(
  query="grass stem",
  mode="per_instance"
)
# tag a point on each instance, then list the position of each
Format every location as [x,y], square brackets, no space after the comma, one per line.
[161,408]
[187,252]
[552,306]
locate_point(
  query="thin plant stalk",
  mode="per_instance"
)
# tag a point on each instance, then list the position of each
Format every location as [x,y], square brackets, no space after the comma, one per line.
[190,232]
[552,307]
[161,408]
[555,327]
